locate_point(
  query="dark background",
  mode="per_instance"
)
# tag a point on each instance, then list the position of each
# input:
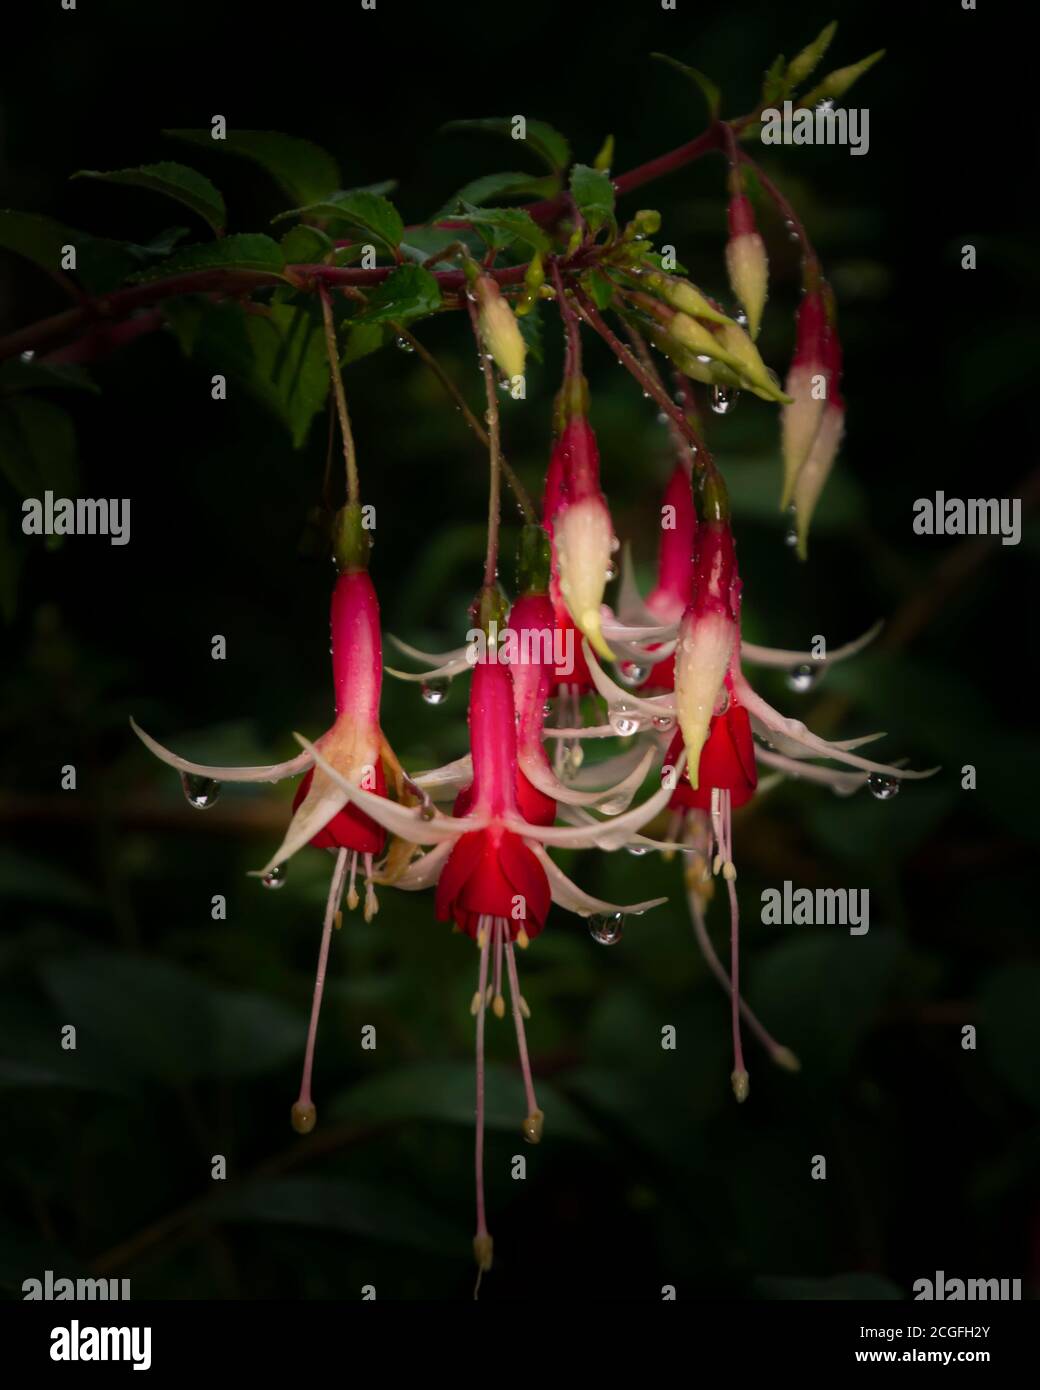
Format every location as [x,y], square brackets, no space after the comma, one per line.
[190,1031]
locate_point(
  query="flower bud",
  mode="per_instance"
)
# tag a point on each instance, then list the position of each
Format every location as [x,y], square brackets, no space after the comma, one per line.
[806,385]
[584,540]
[739,352]
[499,328]
[680,294]
[838,82]
[746,261]
[708,638]
[816,469]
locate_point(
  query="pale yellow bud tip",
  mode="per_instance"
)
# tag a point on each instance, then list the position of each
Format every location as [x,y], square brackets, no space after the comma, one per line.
[784,1057]
[304,1118]
[741,1085]
[533,1126]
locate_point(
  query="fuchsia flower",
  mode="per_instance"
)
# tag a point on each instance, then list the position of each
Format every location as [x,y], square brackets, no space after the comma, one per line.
[323,815]
[746,260]
[806,384]
[814,472]
[493,875]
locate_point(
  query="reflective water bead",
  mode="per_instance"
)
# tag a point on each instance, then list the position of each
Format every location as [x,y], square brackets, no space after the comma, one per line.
[403,344]
[276,878]
[201,792]
[623,721]
[607,930]
[802,677]
[723,399]
[631,673]
[663,723]
[435,691]
[882,786]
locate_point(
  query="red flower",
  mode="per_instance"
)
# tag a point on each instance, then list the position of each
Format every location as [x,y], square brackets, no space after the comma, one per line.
[491,873]
[727,762]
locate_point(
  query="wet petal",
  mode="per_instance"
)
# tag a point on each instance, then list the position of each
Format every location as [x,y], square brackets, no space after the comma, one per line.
[610,834]
[567,894]
[445,781]
[615,694]
[272,773]
[406,821]
[844,783]
[424,871]
[618,797]
[454,667]
[315,811]
[774,656]
[434,658]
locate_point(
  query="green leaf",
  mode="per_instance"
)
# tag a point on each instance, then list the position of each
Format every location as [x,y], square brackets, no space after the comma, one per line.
[808,60]
[599,287]
[407,293]
[363,340]
[361,211]
[176,181]
[593,194]
[501,227]
[478,191]
[305,245]
[547,143]
[37,447]
[304,170]
[290,366]
[16,375]
[531,327]
[38,239]
[1009,1027]
[709,89]
[248,251]
[339,1204]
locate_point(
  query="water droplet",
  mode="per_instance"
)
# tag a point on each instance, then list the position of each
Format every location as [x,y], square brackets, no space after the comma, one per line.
[723,399]
[504,384]
[663,723]
[623,721]
[612,571]
[276,878]
[547,708]
[435,691]
[638,850]
[741,317]
[201,792]
[882,786]
[663,417]
[630,673]
[802,677]
[404,344]
[826,106]
[573,758]
[791,538]
[607,930]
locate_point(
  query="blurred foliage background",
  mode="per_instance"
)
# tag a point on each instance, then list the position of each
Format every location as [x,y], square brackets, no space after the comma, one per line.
[190,1031]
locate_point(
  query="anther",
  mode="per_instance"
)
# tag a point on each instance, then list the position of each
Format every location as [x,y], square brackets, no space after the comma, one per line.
[304,1118]
[533,1126]
[741,1085]
[522,939]
[499,1006]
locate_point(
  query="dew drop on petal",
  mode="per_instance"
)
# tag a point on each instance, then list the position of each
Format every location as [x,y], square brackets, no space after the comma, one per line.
[547,708]
[435,691]
[630,673]
[638,850]
[802,677]
[882,786]
[612,571]
[723,399]
[741,317]
[201,792]
[623,721]
[791,538]
[663,723]
[276,878]
[606,930]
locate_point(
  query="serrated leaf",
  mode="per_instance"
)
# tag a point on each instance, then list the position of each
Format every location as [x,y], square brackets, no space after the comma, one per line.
[501,227]
[247,251]
[304,170]
[363,340]
[809,59]
[709,89]
[593,195]
[17,375]
[409,292]
[478,191]
[305,245]
[290,367]
[37,447]
[360,210]
[176,181]
[547,143]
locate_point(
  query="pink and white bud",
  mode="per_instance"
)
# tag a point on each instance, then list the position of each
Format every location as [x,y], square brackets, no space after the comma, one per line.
[816,469]
[499,328]
[708,639]
[807,385]
[584,539]
[746,261]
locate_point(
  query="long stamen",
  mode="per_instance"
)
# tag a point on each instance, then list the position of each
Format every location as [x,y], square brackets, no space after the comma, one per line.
[740,1076]
[781,1055]
[482,1244]
[371,901]
[532,1127]
[304,1114]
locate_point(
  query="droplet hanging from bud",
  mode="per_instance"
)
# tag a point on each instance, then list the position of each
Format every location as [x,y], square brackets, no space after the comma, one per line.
[435,691]
[882,786]
[275,878]
[803,677]
[607,930]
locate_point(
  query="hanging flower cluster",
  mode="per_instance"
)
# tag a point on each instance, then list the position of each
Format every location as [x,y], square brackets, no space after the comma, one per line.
[694,734]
